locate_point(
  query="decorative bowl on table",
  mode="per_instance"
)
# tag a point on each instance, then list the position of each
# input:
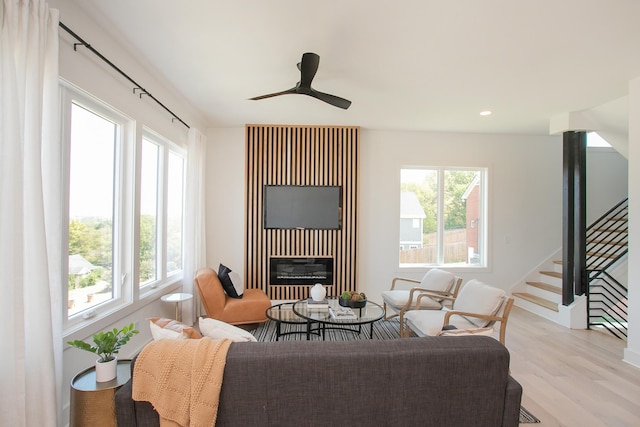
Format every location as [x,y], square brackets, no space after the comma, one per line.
[352,299]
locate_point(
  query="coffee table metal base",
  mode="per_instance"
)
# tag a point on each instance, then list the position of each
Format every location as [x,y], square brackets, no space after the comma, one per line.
[283,313]
[367,315]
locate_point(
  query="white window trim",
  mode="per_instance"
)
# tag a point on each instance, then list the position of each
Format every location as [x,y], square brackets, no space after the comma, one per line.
[484,237]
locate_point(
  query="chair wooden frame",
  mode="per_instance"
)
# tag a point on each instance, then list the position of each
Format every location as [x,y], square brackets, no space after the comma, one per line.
[502,316]
[434,294]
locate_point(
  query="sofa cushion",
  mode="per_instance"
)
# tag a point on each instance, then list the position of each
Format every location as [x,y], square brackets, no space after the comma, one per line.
[162,328]
[217,329]
[437,280]
[460,332]
[480,298]
[430,322]
[227,283]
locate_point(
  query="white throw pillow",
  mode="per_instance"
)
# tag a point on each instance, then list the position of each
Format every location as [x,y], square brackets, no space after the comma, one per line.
[238,284]
[480,298]
[162,328]
[216,329]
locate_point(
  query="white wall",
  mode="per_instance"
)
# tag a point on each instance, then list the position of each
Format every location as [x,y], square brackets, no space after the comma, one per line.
[225,198]
[632,352]
[607,182]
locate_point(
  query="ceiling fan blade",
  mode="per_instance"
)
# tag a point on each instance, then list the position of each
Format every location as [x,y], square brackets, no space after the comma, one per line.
[271,95]
[336,101]
[308,68]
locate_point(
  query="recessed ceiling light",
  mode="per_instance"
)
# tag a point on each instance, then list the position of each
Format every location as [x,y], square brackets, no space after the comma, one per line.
[485,113]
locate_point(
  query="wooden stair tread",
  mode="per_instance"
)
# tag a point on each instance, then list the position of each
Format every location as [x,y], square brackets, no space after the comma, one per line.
[537,300]
[546,287]
[606,242]
[609,230]
[601,255]
[552,274]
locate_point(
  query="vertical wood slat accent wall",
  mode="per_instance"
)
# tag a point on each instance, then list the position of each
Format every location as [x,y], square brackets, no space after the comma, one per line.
[301,155]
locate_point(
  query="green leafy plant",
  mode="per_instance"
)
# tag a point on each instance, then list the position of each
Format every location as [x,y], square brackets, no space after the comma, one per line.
[107,343]
[353,296]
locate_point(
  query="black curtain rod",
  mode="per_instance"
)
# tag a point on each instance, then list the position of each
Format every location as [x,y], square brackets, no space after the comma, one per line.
[142,90]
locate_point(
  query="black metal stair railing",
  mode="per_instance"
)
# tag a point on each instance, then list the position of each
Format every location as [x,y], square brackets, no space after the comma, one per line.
[606,244]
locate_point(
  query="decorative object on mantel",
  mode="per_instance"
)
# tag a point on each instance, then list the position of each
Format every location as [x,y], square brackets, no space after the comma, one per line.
[318,292]
[352,299]
[107,345]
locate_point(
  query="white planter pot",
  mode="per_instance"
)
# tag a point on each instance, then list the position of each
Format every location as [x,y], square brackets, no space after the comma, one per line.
[318,292]
[106,371]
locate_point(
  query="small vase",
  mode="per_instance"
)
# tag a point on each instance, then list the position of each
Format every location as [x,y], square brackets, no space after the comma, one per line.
[318,292]
[106,371]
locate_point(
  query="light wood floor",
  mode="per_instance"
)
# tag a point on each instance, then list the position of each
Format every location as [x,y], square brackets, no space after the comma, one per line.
[572,377]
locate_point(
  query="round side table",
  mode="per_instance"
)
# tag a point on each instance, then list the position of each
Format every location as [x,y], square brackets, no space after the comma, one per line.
[177,298]
[92,402]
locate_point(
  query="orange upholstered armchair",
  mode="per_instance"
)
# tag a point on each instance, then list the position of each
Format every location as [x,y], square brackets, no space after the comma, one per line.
[250,308]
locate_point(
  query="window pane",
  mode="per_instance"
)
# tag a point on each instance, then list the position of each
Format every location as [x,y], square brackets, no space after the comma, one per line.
[175,202]
[418,216]
[91,213]
[461,210]
[149,212]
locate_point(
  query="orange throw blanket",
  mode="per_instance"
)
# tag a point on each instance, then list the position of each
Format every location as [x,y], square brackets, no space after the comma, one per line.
[182,379]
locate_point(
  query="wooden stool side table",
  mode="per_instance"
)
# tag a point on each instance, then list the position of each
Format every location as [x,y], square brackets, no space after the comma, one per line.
[92,403]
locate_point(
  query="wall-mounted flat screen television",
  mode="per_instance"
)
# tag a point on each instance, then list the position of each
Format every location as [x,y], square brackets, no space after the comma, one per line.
[302,207]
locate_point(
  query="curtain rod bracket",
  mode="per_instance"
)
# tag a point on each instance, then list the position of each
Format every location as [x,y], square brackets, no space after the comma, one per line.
[75,46]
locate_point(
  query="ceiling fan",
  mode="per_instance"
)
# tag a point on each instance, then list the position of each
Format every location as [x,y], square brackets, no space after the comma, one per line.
[308,67]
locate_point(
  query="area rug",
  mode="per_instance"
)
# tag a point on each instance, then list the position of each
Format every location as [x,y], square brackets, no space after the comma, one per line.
[382,330]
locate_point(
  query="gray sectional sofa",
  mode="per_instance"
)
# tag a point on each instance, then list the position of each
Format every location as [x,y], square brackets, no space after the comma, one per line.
[430,381]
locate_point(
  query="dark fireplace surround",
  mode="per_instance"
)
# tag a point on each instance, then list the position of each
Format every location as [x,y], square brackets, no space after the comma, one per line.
[300,270]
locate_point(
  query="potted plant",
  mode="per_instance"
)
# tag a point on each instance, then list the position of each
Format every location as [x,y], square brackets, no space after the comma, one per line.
[106,345]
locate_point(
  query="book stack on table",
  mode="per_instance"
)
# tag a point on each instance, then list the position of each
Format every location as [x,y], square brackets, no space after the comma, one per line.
[343,313]
[317,305]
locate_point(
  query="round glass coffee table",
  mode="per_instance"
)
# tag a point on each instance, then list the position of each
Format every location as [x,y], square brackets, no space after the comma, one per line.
[329,319]
[283,313]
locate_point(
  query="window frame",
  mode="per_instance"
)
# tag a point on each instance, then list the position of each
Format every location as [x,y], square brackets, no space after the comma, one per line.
[483,224]
[128,297]
[165,148]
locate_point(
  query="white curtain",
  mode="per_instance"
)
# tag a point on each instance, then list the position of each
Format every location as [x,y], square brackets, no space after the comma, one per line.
[31,218]
[195,239]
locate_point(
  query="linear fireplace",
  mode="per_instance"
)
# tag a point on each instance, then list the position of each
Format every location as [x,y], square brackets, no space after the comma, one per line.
[301,270]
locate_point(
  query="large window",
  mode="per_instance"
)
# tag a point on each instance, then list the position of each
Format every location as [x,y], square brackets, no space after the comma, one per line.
[443,217]
[95,136]
[117,223]
[161,209]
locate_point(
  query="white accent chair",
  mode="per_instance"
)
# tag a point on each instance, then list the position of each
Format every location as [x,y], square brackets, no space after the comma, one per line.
[475,311]
[436,285]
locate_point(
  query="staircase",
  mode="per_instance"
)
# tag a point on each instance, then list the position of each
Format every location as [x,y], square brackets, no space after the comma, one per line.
[605,304]
[542,295]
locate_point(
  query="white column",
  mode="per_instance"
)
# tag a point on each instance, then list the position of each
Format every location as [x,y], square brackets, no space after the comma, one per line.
[632,352]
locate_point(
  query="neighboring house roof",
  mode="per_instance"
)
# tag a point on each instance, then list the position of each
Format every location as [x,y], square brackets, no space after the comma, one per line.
[79,265]
[471,186]
[410,206]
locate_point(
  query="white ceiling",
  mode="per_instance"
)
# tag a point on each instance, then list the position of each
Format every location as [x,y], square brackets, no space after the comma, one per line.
[407,65]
